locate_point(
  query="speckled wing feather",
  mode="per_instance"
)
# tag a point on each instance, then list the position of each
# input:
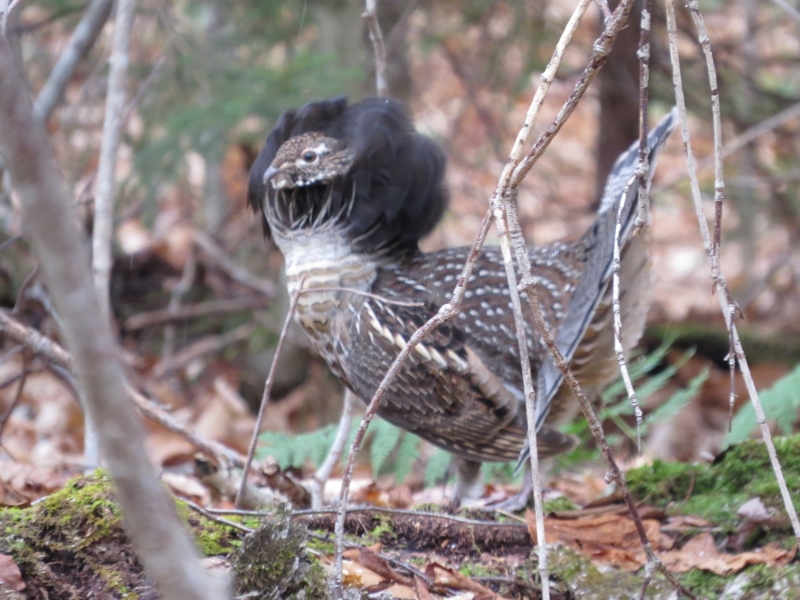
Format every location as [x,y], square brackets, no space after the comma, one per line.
[461,388]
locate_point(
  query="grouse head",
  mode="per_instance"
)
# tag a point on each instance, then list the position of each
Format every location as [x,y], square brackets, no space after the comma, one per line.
[357,171]
[307,159]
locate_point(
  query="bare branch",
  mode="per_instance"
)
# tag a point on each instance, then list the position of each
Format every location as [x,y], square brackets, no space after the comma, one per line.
[376,37]
[195,311]
[508,195]
[82,40]
[201,347]
[233,270]
[265,397]
[112,130]
[727,304]
[156,532]
[56,356]
[505,210]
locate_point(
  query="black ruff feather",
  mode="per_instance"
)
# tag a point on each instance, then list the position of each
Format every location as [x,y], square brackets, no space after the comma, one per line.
[397,176]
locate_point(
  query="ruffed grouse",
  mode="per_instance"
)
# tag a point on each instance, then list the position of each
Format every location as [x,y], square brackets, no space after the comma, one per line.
[346,192]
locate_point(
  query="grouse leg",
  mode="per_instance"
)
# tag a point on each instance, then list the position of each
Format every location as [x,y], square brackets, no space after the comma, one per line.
[469,482]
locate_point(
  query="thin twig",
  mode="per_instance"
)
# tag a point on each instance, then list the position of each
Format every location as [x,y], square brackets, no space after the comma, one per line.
[212,517]
[376,37]
[82,40]
[23,377]
[789,9]
[719,181]
[446,312]
[207,345]
[378,297]
[742,140]
[231,268]
[601,50]
[54,354]
[112,131]
[616,304]
[266,396]
[400,511]
[10,242]
[602,47]
[195,311]
[727,304]
[510,232]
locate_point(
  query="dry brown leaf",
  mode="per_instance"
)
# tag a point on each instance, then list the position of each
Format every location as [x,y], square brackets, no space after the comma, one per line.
[167,448]
[607,538]
[222,411]
[21,483]
[421,589]
[369,494]
[701,553]
[442,576]
[401,591]
[10,575]
[370,559]
[357,575]
[187,486]
[400,496]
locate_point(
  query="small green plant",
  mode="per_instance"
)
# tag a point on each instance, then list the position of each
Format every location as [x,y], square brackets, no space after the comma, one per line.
[648,379]
[384,439]
[780,403]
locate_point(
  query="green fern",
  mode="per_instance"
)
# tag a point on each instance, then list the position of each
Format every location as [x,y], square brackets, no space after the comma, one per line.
[384,438]
[780,403]
[437,467]
[407,453]
[616,403]
[385,441]
[298,449]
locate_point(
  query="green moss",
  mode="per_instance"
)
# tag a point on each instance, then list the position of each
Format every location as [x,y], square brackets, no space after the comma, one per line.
[321,546]
[779,582]
[79,528]
[716,491]
[212,537]
[383,530]
[559,504]
[704,584]
[577,573]
[474,569]
[274,557]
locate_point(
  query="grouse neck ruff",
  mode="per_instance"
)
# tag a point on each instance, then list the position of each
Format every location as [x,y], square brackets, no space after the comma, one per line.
[324,268]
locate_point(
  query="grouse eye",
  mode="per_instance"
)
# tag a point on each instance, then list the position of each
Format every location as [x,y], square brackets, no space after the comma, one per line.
[309,156]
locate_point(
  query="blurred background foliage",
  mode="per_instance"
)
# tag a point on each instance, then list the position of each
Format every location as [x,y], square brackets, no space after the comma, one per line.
[208,78]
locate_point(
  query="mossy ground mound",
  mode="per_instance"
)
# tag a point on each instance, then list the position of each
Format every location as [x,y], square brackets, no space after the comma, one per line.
[716,491]
[72,544]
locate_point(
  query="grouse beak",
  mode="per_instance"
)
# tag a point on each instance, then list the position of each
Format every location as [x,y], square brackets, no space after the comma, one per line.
[277,177]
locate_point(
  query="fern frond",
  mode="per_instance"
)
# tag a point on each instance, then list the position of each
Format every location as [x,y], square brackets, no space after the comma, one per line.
[407,453]
[780,403]
[385,438]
